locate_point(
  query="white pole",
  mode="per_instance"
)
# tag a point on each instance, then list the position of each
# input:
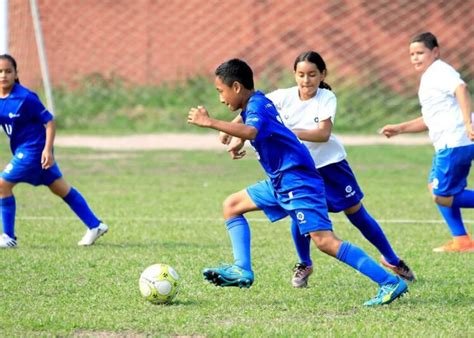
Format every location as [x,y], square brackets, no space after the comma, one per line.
[4,26]
[42,56]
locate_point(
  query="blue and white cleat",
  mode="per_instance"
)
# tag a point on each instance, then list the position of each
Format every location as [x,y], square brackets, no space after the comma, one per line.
[388,293]
[229,275]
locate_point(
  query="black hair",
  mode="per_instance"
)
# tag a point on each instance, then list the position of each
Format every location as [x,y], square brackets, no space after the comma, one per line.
[316,59]
[235,70]
[427,38]
[12,61]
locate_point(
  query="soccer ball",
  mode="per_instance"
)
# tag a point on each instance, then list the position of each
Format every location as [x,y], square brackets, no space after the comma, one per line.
[159,283]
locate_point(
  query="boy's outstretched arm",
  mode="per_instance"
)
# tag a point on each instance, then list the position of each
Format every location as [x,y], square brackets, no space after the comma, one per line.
[200,117]
[226,138]
[413,126]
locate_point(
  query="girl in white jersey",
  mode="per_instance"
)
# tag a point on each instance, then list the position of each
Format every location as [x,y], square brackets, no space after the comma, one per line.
[446,114]
[308,109]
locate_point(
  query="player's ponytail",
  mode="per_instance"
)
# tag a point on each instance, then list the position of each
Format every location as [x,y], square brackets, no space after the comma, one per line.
[324,85]
[13,62]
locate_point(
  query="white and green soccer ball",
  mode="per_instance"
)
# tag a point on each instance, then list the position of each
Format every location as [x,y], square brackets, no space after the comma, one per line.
[159,283]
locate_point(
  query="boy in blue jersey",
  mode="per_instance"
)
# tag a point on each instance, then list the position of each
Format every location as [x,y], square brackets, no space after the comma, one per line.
[294,187]
[31,129]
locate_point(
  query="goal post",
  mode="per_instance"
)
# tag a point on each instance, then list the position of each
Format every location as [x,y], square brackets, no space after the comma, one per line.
[3,26]
[42,55]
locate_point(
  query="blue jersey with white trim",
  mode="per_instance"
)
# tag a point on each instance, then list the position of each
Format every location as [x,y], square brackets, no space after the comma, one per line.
[23,118]
[286,161]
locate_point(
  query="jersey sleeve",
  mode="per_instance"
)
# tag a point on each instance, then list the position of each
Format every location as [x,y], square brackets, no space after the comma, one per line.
[451,79]
[275,97]
[253,120]
[328,108]
[36,109]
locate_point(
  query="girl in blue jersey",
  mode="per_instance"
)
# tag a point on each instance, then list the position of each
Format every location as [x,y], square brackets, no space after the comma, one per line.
[293,188]
[446,113]
[309,109]
[31,129]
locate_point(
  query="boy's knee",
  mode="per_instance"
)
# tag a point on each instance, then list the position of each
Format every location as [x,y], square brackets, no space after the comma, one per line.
[230,206]
[324,240]
[443,200]
[5,188]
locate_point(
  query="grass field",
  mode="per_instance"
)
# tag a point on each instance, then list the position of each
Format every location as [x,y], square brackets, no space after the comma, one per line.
[165,207]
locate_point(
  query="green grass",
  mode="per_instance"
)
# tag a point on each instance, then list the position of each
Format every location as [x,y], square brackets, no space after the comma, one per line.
[112,106]
[165,206]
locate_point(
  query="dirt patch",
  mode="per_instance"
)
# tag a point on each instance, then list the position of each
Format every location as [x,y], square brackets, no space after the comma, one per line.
[205,141]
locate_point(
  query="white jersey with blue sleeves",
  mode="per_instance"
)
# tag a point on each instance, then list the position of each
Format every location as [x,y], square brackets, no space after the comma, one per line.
[284,158]
[23,116]
[306,114]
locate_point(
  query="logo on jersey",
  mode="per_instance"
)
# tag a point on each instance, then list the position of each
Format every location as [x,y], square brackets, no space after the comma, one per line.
[316,119]
[300,217]
[11,115]
[8,168]
[435,183]
[8,129]
[349,191]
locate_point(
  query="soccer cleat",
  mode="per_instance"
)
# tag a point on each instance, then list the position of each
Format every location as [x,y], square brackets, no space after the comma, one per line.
[93,234]
[401,269]
[7,242]
[388,293]
[458,244]
[229,275]
[301,273]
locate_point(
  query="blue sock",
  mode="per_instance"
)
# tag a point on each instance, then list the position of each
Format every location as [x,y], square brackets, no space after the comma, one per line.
[371,230]
[8,205]
[465,199]
[302,244]
[359,260]
[79,205]
[453,218]
[239,232]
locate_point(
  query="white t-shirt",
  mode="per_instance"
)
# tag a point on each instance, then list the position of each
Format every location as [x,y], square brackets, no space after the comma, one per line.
[298,114]
[439,107]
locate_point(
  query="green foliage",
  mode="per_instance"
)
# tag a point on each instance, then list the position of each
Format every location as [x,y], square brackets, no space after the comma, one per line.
[112,106]
[165,206]
[366,109]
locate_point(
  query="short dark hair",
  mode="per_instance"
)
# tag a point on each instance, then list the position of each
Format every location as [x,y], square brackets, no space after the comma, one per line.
[427,38]
[235,70]
[316,59]
[12,61]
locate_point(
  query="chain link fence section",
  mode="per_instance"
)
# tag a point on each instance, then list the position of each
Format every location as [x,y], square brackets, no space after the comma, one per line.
[151,42]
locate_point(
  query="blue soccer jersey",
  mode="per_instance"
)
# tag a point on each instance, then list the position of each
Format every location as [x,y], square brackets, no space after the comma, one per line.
[23,116]
[296,188]
[286,161]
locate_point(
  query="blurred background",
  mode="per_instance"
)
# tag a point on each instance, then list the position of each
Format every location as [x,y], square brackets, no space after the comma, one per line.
[122,66]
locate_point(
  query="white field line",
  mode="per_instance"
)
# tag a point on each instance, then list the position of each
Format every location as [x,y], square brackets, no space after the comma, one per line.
[217,220]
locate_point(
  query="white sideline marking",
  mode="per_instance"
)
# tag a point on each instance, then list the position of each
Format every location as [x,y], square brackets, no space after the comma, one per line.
[197,219]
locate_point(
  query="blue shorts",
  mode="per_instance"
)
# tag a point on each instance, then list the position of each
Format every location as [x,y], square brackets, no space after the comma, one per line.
[450,170]
[306,206]
[342,190]
[26,167]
